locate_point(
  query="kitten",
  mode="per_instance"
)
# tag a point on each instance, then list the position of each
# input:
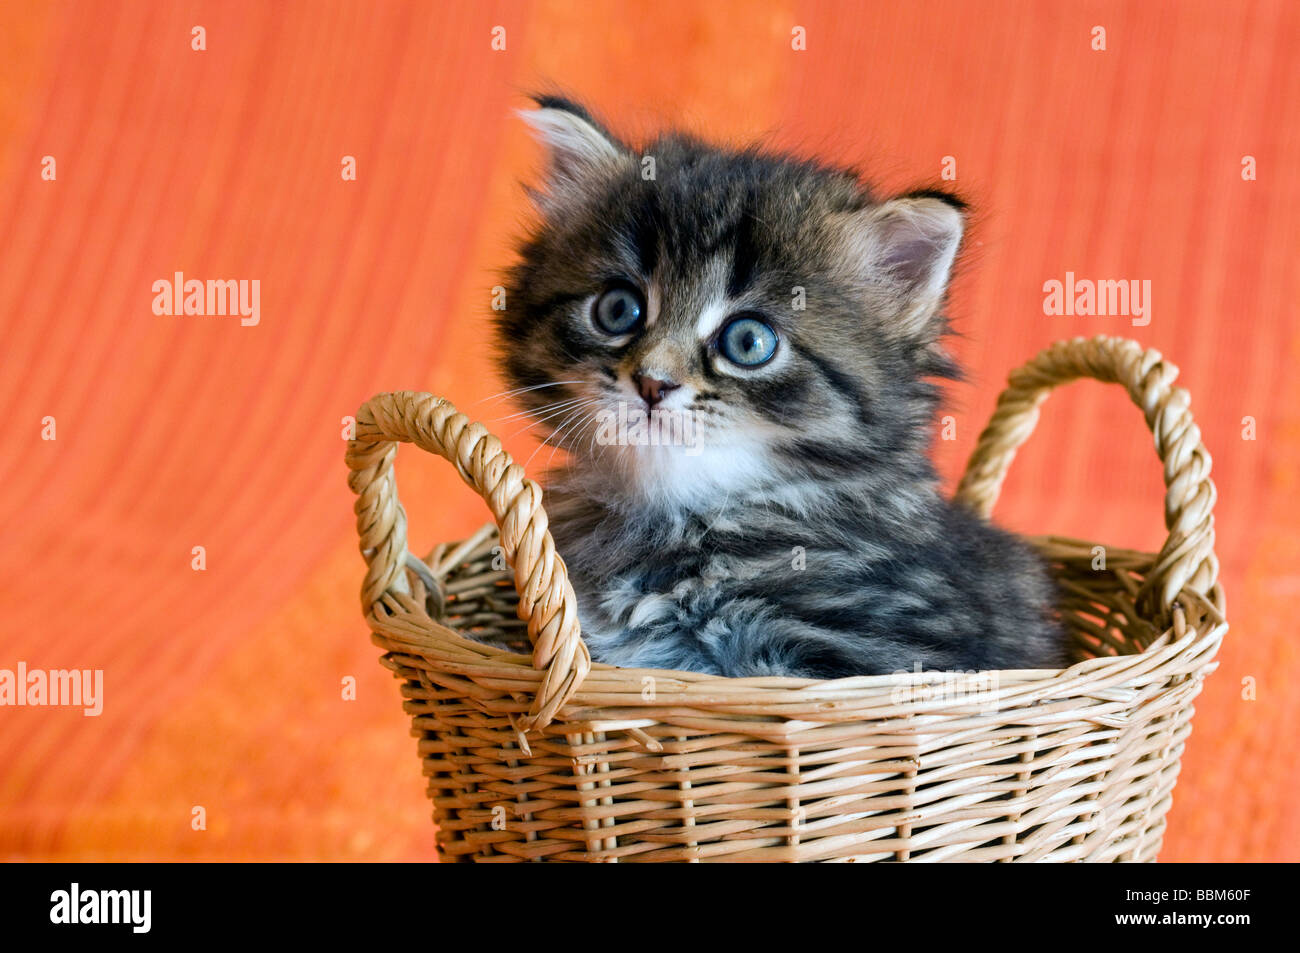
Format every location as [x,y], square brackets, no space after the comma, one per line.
[782,327]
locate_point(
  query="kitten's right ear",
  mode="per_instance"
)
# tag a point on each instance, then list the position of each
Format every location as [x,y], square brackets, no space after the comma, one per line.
[582,153]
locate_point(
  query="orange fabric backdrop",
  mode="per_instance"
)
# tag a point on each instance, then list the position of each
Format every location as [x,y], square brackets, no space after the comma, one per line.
[223,686]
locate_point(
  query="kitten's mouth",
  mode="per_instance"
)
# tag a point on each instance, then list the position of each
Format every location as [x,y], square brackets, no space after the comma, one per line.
[636,425]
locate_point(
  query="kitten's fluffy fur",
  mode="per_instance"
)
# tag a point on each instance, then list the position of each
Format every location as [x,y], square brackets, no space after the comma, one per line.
[805,535]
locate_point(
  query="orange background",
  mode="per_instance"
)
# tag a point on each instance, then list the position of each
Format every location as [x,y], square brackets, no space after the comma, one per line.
[223,686]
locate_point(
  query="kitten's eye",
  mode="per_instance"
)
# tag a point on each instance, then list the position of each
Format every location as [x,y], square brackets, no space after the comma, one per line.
[619,310]
[747,341]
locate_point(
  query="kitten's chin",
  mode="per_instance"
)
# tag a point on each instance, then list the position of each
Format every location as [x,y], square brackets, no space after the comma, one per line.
[682,477]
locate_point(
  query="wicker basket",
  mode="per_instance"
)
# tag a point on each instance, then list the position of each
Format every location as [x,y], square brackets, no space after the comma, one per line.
[535,753]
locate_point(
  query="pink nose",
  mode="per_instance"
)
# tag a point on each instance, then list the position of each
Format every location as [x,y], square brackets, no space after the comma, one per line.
[651,389]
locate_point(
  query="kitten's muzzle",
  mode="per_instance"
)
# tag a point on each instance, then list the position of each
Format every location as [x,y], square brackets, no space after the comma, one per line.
[651,389]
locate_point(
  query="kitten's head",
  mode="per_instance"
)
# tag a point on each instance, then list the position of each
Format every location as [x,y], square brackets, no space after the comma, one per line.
[693,319]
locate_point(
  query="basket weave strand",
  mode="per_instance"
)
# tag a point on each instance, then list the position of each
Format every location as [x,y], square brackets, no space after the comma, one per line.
[645,765]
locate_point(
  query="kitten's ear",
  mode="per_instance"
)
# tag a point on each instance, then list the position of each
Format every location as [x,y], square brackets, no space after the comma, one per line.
[581,151]
[905,248]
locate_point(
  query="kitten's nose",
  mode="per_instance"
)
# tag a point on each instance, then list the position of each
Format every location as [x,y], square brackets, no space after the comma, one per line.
[651,389]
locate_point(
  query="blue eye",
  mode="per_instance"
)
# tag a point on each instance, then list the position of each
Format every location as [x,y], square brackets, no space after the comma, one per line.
[747,342]
[619,310]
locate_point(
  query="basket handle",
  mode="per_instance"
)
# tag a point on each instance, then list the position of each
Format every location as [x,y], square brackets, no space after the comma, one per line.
[1187,559]
[546,598]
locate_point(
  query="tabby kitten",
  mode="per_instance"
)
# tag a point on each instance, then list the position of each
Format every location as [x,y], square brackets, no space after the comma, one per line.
[780,326]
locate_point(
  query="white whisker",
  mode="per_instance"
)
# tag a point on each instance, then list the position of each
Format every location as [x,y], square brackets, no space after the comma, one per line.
[582,420]
[556,413]
[539,410]
[522,390]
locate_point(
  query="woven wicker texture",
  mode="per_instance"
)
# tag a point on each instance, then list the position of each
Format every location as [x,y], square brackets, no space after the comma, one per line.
[534,753]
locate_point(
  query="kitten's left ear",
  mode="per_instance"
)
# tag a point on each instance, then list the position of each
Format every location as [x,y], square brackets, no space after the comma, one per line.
[906,247]
[581,151]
